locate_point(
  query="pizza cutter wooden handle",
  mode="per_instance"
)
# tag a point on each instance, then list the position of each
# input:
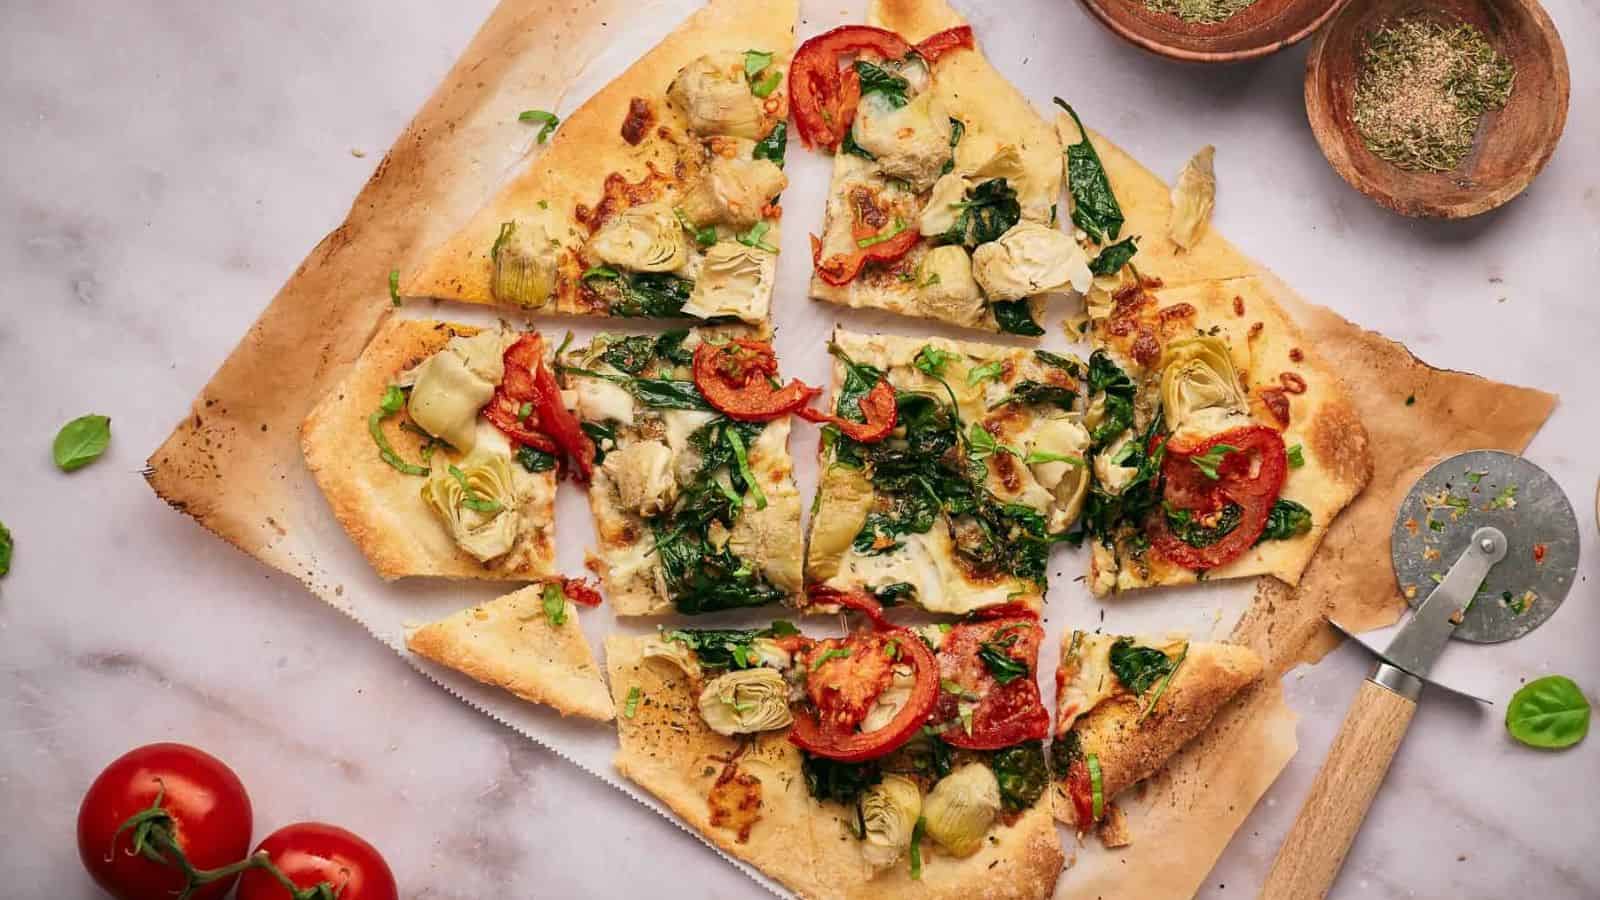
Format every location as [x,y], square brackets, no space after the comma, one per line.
[1315,848]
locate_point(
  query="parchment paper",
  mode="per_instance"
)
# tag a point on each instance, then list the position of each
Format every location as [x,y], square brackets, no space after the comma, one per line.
[234,462]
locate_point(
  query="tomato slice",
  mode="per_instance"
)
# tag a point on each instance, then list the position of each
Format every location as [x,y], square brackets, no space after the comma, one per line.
[842,268]
[816,90]
[737,378]
[1080,789]
[527,408]
[934,46]
[581,591]
[1002,714]
[877,405]
[1249,477]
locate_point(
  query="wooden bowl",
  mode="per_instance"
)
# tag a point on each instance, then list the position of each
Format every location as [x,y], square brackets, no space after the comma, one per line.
[1513,144]
[1262,28]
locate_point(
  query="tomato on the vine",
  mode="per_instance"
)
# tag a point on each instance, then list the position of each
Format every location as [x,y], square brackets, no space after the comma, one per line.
[170,799]
[311,854]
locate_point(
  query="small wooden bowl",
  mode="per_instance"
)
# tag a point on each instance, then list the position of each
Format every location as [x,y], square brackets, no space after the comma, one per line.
[1263,28]
[1513,144]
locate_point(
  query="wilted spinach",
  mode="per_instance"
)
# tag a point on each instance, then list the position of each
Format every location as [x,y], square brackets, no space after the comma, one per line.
[1015,317]
[1288,519]
[1094,205]
[1138,668]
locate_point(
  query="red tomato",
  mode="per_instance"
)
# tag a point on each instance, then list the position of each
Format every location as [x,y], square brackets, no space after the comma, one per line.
[1250,476]
[205,815]
[878,405]
[527,408]
[842,268]
[581,591]
[309,853]
[936,45]
[1003,714]
[816,92]
[738,377]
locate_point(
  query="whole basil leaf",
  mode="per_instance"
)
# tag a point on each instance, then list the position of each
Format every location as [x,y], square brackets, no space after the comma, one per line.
[1094,205]
[773,146]
[5,549]
[1111,260]
[1015,317]
[1550,713]
[81,442]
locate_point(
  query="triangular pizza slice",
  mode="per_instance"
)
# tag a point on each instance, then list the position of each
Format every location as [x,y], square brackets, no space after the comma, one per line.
[1125,705]
[656,198]
[527,642]
[944,197]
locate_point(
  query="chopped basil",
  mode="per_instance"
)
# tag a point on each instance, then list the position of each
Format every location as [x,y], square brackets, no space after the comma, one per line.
[1094,205]
[1297,458]
[1035,457]
[1208,461]
[1097,793]
[6,546]
[547,119]
[930,360]
[882,236]
[632,706]
[1111,260]
[756,237]
[524,411]
[916,848]
[766,84]
[535,460]
[755,61]
[773,146]
[471,500]
[831,653]
[1506,499]
[1288,519]
[555,605]
[1015,317]
[979,374]
[393,401]
[81,442]
[605,272]
[394,286]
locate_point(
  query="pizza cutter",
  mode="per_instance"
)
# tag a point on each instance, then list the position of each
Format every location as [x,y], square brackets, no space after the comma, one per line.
[1485,548]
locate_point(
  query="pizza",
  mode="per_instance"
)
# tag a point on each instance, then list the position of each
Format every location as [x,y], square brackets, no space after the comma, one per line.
[528,643]
[693,493]
[439,451]
[943,202]
[948,469]
[1125,705]
[657,198]
[1221,445]
[887,762]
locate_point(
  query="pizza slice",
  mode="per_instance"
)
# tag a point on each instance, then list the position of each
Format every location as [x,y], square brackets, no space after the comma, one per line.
[911,764]
[693,494]
[1125,705]
[1221,445]
[943,201]
[948,469]
[527,642]
[657,198]
[439,451]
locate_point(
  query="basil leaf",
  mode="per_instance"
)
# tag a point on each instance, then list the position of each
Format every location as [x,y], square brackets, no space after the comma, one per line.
[1208,461]
[1550,713]
[1297,458]
[979,374]
[765,85]
[1015,317]
[878,80]
[661,393]
[81,442]
[555,605]
[632,705]
[1288,519]
[930,360]
[1138,668]
[1094,205]
[535,460]
[6,546]
[1111,260]
[756,237]
[832,653]
[548,119]
[393,400]
[755,61]
[1001,664]
[774,145]
[394,286]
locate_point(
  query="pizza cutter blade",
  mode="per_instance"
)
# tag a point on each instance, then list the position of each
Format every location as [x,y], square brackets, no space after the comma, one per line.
[1485,548]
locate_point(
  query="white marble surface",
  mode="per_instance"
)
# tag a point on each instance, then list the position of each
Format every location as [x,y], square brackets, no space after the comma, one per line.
[167,163]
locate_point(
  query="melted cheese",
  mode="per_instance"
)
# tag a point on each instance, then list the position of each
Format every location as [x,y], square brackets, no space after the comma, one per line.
[927,562]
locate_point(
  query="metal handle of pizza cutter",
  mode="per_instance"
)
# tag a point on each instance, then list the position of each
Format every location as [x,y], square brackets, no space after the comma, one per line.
[1315,848]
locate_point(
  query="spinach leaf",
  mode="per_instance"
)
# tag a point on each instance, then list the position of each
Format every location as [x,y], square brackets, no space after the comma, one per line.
[849,145]
[929,755]
[911,513]
[6,546]
[840,782]
[958,130]
[1094,206]
[669,346]
[81,442]
[1111,260]
[1549,713]
[1106,377]
[896,593]
[702,577]
[535,460]
[1064,751]
[602,434]
[1138,668]
[654,295]
[1022,775]
[1003,666]
[1041,393]
[1198,534]
[630,354]
[859,379]
[774,145]
[1066,364]
[1104,511]
[663,393]
[989,211]
[726,648]
[1015,317]
[1288,519]
[878,80]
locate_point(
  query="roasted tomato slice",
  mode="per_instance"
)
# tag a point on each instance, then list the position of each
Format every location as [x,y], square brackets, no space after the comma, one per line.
[527,408]
[1226,513]
[877,405]
[1001,693]
[846,677]
[842,268]
[936,45]
[816,89]
[581,591]
[738,379]
[1080,790]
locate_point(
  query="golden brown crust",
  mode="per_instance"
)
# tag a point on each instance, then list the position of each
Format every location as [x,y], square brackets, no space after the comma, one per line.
[381,508]
[510,643]
[668,750]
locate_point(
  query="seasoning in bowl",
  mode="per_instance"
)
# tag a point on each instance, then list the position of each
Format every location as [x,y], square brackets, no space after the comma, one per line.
[1200,12]
[1423,87]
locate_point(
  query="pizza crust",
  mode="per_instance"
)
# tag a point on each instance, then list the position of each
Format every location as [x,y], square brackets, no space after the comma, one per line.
[667,749]
[509,643]
[381,508]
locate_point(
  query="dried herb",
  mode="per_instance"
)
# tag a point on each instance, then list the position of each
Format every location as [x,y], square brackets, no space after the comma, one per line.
[1202,12]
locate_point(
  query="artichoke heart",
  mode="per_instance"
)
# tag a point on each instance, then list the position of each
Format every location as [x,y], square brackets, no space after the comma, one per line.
[889,810]
[911,142]
[524,258]
[715,99]
[961,807]
[733,192]
[843,500]
[746,701]
[946,288]
[944,205]
[1069,482]
[1197,374]
[483,533]
[730,282]
[1112,476]
[1030,259]
[675,653]
[449,388]
[1192,199]
[646,238]
[642,473]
